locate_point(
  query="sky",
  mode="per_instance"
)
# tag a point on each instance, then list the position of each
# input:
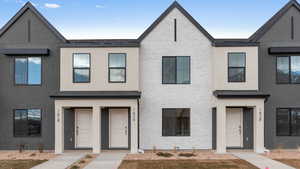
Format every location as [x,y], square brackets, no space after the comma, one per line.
[101,19]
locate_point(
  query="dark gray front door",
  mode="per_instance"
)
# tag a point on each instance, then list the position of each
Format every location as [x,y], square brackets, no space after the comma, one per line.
[248,128]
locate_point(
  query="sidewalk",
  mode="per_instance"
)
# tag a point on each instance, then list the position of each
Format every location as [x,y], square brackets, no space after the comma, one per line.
[60,162]
[261,161]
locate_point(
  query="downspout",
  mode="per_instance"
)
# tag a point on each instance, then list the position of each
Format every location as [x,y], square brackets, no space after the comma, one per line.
[138,121]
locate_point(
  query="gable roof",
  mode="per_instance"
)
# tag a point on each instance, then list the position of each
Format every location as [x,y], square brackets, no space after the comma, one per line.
[175,4]
[263,29]
[29,6]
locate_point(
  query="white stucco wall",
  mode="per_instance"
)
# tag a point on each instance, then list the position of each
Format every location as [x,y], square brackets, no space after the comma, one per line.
[99,70]
[155,96]
[220,64]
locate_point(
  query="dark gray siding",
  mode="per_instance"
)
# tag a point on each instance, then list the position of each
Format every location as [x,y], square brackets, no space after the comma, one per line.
[281,95]
[14,97]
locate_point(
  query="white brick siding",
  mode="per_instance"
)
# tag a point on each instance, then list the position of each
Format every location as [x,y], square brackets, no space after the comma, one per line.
[155,96]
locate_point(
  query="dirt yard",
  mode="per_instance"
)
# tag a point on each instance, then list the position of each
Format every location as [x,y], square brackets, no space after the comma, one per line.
[186,164]
[26,155]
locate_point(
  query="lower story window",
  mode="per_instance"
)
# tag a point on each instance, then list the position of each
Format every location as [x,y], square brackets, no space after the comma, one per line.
[176,122]
[288,122]
[27,122]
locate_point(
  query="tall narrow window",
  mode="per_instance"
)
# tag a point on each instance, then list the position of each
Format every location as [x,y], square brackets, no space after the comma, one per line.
[175,30]
[292,28]
[27,122]
[176,122]
[81,68]
[176,70]
[236,67]
[288,69]
[28,71]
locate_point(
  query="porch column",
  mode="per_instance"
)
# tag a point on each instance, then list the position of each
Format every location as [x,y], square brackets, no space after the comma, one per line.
[134,128]
[259,146]
[221,129]
[96,129]
[59,130]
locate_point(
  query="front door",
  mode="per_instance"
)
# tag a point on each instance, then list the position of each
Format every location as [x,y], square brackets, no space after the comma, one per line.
[118,128]
[234,127]
[83,128]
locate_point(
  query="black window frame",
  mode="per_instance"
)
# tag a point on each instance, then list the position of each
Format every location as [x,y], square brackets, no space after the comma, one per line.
[162,72]
[162,132]
[290,70]
[27,84]
[289,119]
[236,67]
[81,68]
[119,68]
[29,136]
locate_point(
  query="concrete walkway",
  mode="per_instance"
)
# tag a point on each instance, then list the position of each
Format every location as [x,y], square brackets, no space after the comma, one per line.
[107,160]
[260,161]
[61,162]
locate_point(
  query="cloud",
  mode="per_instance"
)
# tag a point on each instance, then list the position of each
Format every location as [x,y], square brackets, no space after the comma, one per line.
[48,5]
[20,2]
[100,6]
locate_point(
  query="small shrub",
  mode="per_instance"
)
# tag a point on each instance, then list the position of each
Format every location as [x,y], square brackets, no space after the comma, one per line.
[279,148]
[32,154]
[154,149]
[194,150]
[21,147]
[186,154]
[164,154]
[41,148]
[81,161]
[88,156]
[75,167]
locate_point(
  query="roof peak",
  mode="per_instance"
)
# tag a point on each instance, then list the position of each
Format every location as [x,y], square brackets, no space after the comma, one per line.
[29,5]
[174,5]
[265,27]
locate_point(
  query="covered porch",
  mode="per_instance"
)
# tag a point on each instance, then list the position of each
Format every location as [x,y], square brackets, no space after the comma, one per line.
[96,124]
[239,120]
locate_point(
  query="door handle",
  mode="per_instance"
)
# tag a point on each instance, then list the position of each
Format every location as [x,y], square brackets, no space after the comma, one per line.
[240,130]
[77,130]
[125,130]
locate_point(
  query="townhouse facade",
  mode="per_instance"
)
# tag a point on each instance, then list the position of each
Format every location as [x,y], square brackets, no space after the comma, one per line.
[173,87]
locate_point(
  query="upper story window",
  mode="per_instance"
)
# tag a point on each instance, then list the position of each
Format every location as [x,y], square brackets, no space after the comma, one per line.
[81,68]
[176,122]
[28,71]
[176,70]
[288,69]
[117,67]
[27,122]
[236,67]
[288,122]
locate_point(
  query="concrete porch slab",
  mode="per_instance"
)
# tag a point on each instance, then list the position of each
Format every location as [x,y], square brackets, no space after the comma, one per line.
[107,160]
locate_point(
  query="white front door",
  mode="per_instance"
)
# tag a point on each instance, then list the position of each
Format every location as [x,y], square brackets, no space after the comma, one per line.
[118,128]
[83,128]
[234,127]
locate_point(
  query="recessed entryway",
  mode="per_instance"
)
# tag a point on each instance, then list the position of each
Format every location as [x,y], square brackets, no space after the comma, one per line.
[83,128]
[118,128]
